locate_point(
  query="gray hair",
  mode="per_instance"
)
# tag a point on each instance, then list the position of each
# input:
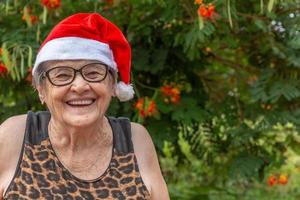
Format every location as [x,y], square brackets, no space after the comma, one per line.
[37,75]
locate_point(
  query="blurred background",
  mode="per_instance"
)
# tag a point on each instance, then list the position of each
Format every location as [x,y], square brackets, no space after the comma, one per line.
[217,85]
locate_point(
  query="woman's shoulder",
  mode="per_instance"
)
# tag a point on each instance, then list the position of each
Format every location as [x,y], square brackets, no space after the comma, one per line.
[11,127]
[142,144]
[11,138]
[139,132]
[11,134]
[148,162]
[142,141]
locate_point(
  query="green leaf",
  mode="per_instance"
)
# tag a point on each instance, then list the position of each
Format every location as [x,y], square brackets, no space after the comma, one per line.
[271,5]
[201,22]
[287,89]
[187,111]
[245,166]
[261,25]
[261,6]
[229,13]
[295,43]
[29,59]
[27,16]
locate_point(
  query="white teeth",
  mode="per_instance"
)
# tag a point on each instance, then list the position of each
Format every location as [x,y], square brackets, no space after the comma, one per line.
[80,102]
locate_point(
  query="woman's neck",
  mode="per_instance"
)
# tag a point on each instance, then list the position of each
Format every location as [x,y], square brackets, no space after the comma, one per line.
[83,150]
[64,136]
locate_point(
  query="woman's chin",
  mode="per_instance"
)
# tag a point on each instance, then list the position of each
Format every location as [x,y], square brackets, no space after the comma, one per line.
[81,119]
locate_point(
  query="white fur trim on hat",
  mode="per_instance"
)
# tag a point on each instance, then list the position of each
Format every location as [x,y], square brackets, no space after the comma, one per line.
[68,48]
[124,92]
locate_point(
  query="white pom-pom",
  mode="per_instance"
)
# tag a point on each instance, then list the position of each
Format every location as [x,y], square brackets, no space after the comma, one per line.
[124,92]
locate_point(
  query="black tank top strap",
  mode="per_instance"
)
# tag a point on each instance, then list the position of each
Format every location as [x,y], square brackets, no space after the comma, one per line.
[37,127]
[37,130]
[122,134]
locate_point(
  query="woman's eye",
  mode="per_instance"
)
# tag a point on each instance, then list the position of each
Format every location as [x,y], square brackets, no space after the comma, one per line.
[92,74]
[63,76]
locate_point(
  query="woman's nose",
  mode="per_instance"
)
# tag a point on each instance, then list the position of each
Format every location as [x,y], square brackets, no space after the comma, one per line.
[79,85]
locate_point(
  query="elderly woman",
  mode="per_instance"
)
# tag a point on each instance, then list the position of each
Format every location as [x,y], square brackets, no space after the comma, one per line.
[75,151]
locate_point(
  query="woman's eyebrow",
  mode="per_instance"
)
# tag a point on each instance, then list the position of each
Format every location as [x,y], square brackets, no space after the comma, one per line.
[64,64]
[74,64]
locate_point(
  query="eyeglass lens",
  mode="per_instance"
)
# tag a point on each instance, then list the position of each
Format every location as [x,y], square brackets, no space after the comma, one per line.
[63,75]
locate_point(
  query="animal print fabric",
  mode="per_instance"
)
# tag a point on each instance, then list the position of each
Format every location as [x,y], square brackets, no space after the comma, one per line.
[42,176]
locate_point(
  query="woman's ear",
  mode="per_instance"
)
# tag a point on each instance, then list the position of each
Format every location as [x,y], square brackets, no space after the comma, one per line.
[114,93]
[113,82]
[42,100]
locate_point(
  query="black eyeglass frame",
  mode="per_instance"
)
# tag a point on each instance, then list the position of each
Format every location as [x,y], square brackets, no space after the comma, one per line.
[46,73]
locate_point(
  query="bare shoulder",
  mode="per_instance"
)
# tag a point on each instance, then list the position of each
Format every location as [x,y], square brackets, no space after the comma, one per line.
[148,162]
[140,133]
[19,119]
[143,146]
[11,128]
[11,138]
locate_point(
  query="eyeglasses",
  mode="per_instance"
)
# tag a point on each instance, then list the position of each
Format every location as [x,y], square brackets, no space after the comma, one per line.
[64,75]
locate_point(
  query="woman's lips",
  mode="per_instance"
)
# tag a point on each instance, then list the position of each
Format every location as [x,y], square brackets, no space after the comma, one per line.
[80,102]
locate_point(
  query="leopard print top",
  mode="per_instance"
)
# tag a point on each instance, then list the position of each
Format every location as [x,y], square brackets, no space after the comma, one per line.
[40,174]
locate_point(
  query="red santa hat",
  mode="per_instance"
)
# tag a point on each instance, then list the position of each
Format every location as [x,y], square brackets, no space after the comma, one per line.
[90,36]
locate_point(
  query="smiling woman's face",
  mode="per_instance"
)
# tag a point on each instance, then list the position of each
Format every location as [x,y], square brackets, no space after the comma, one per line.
[80,103]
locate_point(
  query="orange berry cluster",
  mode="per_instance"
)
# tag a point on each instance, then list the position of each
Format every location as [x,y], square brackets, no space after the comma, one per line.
[109,1]
[205,10]
[266,106]
[170,94]
[33,18]
[146,107]
[3,68]
[51,4]
[273,180]
[29,74]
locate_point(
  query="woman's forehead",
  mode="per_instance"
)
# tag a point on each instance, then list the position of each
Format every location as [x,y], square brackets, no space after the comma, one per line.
[70,63]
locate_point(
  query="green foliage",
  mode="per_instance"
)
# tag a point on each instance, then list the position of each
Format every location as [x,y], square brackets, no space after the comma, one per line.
[233,169]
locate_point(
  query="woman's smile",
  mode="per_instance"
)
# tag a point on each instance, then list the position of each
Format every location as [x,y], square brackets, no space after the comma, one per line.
[81,105]
[81,102]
